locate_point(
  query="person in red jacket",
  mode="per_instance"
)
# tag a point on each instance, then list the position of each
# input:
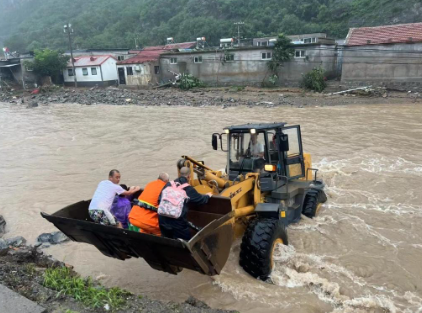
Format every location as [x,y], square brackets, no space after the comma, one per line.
[144,213]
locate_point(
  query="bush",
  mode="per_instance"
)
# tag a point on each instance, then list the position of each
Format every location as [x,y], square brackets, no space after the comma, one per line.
[83,290]
[188,81]
[314,80]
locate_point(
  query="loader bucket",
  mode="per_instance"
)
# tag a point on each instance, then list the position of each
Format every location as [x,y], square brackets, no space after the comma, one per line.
[206,253]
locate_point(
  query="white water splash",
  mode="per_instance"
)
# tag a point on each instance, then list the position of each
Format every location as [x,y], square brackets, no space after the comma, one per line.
[293,270]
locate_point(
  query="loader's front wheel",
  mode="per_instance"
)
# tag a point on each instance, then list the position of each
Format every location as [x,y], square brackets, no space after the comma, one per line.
[258,245]
[311,206]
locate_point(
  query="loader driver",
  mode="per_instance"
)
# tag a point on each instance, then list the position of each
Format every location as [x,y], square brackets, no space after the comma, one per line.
[256,148]
[144,212]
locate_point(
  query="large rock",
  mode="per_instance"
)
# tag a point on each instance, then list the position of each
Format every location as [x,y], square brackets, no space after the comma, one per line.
[4,247]
[53,238]
[2,226]
[16,241]
[32,105]
[197,303]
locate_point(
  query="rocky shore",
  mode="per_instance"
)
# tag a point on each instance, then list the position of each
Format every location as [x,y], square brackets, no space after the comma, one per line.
[215,97]
[55,286]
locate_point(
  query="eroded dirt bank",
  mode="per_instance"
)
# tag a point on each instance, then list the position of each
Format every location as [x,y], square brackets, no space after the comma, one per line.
[36,276]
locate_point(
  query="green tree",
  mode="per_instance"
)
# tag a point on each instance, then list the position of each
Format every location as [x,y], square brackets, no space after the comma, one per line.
[49,62]
[31,24]
[283,51]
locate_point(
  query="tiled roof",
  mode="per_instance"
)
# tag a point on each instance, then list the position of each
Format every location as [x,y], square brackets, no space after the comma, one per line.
[401,33]
[94,60]
[151,54]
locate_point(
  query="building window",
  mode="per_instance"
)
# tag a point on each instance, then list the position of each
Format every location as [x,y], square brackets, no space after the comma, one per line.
[120,57]
[309,40]
[262,43]
[129,70]
[197,59]
[300,53]
[173,61]
[70,72]
[156,70]
[93,71]
[85,71]
[266,55]
[229,57]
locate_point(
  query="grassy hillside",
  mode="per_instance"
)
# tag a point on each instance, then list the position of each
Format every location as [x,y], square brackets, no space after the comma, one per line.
[29,24]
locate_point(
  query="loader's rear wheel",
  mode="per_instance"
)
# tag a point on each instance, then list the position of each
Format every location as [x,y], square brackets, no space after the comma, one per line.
[258,245]
[311,206]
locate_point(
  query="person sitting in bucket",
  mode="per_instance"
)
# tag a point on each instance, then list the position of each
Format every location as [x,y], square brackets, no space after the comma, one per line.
[99,208]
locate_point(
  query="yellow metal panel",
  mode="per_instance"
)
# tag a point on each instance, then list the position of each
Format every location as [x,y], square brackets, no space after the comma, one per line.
[295,169]
[308,164]
[203,189]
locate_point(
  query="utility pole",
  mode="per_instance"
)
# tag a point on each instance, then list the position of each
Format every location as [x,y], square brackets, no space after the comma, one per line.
[238,32]
[69,30]
[136,42]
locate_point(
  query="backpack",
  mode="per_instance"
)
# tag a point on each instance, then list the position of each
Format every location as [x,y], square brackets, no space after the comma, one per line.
[172,200]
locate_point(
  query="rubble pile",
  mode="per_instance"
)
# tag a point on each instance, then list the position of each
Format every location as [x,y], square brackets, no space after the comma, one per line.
[118,96]
[203,97]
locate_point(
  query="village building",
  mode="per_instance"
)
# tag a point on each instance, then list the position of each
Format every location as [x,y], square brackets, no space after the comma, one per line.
[119,54]
[17,70]
[296,39]
[98,70]
[248,66]
[383,56]
[144,68]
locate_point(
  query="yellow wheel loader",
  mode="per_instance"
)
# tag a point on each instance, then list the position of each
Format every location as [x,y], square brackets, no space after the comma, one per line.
[268,183]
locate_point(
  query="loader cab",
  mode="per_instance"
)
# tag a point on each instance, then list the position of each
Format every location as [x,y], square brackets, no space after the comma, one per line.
[271,149]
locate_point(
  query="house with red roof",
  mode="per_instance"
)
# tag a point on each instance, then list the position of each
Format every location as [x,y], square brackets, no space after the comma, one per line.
[389,56]
[91,70]
[144,68]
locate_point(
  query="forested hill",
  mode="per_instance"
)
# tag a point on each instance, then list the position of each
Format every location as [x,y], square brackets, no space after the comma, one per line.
[30,24]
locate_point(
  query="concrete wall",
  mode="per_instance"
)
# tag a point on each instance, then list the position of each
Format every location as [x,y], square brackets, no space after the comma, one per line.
[248,68]
[109,70]
[324,56]
[393,65]
[145,76]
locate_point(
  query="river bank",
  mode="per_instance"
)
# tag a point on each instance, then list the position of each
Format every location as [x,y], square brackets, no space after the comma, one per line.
[58,288]
[215,97]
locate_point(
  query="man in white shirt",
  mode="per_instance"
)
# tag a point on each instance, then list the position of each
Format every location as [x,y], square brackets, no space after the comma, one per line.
[99,208]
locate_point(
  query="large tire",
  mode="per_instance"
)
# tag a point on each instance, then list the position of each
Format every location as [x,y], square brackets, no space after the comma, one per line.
[311,205]
[258,243]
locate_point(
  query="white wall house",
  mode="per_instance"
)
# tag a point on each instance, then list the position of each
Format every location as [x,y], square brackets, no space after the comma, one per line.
[91,71]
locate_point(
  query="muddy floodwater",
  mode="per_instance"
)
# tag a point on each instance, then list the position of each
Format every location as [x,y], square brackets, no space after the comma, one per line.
[362,254]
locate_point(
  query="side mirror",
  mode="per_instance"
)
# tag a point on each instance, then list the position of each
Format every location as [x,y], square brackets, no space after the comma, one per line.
[283,143]
[215,141]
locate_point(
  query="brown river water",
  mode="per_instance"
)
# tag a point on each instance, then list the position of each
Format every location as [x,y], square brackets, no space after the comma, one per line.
[362,254]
